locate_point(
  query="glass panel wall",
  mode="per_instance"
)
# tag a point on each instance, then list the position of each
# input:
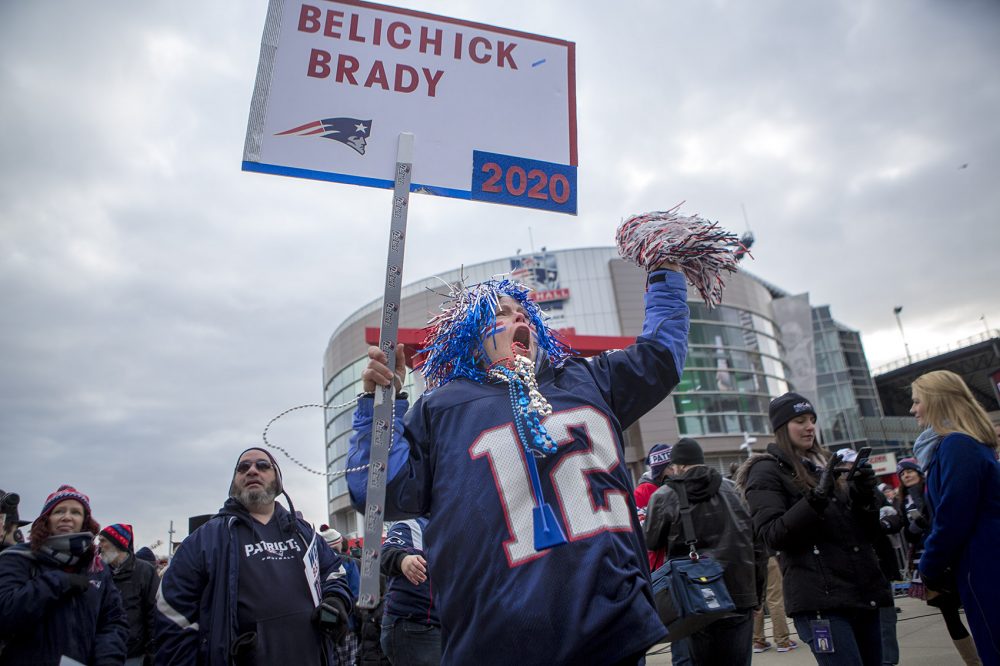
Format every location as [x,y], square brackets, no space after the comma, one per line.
[733,370]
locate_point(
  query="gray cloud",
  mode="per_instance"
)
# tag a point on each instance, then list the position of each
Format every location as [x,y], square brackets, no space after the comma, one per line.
[160,306]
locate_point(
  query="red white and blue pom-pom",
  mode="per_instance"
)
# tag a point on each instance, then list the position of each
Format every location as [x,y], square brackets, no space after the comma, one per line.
[702,248]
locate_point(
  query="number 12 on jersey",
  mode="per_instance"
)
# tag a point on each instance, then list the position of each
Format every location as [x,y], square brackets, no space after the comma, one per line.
[572,479]
[519,181]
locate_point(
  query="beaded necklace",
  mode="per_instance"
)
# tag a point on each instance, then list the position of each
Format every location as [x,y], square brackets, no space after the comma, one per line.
[526,401]
[529,405]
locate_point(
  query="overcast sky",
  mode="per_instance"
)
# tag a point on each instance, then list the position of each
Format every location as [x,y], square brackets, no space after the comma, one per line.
[159,306]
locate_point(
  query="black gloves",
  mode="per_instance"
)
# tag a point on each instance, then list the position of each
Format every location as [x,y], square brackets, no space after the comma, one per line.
[863,485]
[942,592]
[819,496]
[332,617]
[889,519]
[76,583]
[918,522]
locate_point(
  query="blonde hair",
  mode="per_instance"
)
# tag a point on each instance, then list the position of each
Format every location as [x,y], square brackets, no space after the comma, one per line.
[949,407]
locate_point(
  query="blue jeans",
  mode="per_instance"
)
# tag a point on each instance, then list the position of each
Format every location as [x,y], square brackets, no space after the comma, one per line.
[890,646]
[408,643]
[857,637]
[728,641]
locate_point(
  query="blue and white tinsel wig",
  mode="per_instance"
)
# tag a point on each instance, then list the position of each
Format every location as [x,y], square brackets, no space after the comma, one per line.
[454,346]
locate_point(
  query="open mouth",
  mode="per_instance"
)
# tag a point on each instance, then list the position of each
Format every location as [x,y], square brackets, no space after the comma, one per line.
[522,336]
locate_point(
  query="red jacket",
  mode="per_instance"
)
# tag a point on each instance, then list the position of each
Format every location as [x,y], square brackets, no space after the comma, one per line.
[642,494]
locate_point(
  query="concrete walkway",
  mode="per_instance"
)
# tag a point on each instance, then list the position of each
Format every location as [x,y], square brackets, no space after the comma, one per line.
[922,636]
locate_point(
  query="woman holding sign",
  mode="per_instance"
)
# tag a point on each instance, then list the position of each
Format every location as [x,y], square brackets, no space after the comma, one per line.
[516,451]
[823,529]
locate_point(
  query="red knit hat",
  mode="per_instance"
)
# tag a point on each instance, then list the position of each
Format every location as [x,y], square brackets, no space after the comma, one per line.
[120,535]
[64,493]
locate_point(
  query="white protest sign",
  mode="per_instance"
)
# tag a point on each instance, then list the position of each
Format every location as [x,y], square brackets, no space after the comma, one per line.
[493,111]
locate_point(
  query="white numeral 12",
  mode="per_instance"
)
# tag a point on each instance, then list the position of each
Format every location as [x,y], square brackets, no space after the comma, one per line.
[570,479]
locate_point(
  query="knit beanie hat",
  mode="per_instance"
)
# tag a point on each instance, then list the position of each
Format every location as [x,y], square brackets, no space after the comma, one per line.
[908,463]
[64,493]
[786,407]
[145,553]
[658,459]
[332,537]
[120,535]
[687,452]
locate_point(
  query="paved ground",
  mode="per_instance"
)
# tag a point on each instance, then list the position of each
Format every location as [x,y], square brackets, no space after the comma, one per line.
[921,633]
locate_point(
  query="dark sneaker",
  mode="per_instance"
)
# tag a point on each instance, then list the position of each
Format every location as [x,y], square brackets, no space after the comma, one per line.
[762,646]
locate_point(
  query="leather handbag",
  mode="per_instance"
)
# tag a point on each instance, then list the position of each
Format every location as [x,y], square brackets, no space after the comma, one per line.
[690,592]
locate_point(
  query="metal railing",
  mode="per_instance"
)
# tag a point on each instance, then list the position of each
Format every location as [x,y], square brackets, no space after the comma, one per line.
[937,351]
[890,428]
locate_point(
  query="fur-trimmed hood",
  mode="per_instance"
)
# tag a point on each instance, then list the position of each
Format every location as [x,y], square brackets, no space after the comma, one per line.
[772,453]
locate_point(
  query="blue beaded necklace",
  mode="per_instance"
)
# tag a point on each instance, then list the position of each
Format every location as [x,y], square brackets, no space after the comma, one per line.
[529,405]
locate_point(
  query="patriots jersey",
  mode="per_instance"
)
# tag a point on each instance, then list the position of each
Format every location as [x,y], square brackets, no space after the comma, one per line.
[403,598]
[457,457]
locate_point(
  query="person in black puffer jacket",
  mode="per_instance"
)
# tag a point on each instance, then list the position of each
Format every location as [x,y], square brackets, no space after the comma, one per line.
[725,533]
[823,531]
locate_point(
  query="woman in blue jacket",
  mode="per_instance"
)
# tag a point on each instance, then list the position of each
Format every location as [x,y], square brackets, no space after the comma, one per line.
[56,596]
[963,494]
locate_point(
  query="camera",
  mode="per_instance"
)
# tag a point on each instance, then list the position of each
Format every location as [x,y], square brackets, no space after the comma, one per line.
[8,507]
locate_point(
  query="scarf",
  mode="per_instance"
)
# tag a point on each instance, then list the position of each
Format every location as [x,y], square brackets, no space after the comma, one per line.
[68,550]
[924,447]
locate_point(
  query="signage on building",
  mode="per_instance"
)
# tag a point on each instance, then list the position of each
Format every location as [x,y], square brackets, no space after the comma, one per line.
[540,273]
[492,110]
[883,463]
[550,295]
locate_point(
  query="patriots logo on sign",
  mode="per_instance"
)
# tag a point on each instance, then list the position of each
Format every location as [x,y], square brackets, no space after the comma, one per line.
[349,131]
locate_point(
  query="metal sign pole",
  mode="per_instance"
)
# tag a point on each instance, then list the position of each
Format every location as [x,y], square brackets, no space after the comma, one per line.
[385,395]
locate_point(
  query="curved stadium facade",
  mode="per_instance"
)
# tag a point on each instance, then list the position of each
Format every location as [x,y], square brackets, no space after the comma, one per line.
[759,343]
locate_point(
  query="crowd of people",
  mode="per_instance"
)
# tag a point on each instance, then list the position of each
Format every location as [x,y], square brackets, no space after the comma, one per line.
[551,559]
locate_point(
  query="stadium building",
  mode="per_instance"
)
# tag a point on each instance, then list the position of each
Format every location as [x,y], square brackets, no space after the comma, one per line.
[975,359]
[759,343]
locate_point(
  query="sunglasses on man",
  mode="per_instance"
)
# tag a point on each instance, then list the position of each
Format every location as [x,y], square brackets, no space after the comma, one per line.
[262,466]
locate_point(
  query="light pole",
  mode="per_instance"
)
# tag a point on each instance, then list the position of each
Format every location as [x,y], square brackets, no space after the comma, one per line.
[896,310]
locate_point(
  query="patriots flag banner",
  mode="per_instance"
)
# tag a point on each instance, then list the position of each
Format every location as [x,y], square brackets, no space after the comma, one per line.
[349,131]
